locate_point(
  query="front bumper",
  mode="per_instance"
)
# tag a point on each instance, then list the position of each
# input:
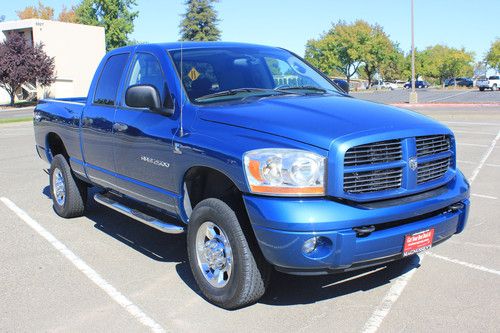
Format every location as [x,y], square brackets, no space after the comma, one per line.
[282,225]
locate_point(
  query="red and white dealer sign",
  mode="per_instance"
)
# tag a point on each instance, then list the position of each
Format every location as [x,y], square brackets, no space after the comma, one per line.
[418,242]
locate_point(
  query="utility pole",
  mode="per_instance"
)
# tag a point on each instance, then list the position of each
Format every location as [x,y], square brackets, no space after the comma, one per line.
[413,93]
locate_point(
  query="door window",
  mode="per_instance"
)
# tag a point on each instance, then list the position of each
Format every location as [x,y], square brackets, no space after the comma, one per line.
[146,69]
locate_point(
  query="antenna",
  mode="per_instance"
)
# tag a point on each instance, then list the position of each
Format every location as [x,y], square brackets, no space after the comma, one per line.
[181,129]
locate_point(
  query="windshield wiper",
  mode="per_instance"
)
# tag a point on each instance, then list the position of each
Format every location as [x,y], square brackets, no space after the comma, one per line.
[311,88]
[231,92]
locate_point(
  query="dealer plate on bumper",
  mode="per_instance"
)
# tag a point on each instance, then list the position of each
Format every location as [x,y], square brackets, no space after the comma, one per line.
[418,242]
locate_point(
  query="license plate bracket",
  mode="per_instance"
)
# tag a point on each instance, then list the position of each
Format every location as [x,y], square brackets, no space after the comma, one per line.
[418,242]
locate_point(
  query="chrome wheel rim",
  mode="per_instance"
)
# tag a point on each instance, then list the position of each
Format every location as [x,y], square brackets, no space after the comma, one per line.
[58,187]
[214,254]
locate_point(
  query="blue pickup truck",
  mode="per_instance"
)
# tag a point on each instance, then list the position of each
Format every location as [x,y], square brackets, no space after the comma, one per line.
[261,159]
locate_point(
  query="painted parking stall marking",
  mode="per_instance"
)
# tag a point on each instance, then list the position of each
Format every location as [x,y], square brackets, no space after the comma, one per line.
[466,264]
[397,288]
[83,267]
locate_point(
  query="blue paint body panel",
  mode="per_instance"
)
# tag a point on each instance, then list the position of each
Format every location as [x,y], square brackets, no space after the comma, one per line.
[217,136]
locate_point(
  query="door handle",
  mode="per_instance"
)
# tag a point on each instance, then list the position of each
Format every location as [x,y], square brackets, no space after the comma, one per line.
[87,121]
[120,127]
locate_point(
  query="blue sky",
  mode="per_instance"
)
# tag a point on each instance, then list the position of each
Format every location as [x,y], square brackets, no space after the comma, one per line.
[472,24]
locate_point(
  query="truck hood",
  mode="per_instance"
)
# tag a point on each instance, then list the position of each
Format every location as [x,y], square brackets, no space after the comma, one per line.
[317,120]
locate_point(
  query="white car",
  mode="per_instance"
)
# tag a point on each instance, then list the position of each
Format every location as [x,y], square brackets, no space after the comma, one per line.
[385,85]
[493,83]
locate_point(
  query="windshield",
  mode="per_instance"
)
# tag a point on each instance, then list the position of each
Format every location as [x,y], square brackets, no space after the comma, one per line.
[223,74]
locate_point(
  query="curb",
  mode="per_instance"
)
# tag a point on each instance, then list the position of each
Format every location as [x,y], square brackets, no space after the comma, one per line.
[17,109]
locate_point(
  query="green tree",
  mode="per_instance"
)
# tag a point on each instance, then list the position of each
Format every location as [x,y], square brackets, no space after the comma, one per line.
[116,16]
[393,67]
[493,56]
[441,62]
[199,23]
[378,54]
[342,48]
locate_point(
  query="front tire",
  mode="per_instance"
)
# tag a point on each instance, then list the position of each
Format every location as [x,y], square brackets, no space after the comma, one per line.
[494,88]
[228,269]
[481,89]
[69,194]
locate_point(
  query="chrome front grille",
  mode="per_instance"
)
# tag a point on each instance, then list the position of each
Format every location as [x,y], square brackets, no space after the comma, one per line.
[432,170]
[396,166]
[432,144]
[372,181]
[378,152]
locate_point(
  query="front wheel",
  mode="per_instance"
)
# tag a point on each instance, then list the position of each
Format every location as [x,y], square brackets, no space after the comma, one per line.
[228,269]
[481,89]
[494,88]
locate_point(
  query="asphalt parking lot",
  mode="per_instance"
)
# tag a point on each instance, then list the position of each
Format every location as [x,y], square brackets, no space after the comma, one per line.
[430,95]
[105,272]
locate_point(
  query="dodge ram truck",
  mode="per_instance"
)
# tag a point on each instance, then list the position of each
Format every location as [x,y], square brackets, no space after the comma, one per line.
[262,160]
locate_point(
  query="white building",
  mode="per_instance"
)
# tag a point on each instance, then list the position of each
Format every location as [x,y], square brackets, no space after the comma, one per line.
[77,50]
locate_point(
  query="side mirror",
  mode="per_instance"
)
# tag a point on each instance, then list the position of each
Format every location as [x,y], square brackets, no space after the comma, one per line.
[145,96]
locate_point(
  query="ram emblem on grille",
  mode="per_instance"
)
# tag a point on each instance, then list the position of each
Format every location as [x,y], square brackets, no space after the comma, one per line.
[412,162]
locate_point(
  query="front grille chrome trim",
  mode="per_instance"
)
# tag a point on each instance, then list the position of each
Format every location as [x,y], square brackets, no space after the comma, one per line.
[384,166]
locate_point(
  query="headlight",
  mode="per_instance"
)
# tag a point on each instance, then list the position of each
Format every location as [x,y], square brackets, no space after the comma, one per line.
[286,172]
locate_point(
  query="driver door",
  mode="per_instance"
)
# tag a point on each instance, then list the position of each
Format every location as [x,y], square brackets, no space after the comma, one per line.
[143,139]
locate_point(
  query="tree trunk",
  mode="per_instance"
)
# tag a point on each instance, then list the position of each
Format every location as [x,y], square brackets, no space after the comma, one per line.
[12,98]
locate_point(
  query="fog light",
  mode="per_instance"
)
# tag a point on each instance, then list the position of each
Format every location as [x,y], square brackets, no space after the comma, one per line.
[310,245]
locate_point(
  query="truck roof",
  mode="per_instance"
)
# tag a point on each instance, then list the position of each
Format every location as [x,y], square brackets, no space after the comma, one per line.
[190,45]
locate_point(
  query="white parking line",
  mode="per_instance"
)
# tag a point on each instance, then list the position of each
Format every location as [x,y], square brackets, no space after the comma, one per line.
[493,165]
[397,288]
[483,196]
[90,273]
[471,123]
[473,132]
[485,157]
[471,144]
[447,97]
[466,264]
[384,308]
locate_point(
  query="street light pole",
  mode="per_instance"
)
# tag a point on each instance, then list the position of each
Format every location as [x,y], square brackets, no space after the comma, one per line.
[413,93]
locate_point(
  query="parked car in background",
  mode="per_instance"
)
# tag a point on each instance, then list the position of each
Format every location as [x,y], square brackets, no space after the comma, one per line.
[342,85]
[379,85]
[459,82]
[493,83]
[418,84]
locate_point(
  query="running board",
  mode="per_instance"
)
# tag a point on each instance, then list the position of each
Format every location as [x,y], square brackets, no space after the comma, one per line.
[139,216]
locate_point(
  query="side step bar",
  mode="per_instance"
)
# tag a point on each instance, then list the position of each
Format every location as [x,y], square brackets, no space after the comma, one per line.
[139,216]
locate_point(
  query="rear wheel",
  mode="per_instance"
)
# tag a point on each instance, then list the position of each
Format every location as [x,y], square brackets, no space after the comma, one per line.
[494,88]
[481,89]
[227,267]
[69,194]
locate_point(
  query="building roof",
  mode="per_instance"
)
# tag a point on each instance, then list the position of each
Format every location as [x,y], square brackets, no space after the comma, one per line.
[34,22]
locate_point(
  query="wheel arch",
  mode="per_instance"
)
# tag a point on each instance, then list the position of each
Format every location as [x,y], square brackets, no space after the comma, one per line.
[203,182]
[54,146]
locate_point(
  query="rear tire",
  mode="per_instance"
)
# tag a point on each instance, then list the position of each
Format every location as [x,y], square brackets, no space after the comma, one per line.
[69,194]
[481,89]
[229,270]
[494,88]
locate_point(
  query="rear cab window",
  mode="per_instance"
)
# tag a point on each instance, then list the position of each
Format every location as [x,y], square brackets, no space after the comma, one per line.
[109,80]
